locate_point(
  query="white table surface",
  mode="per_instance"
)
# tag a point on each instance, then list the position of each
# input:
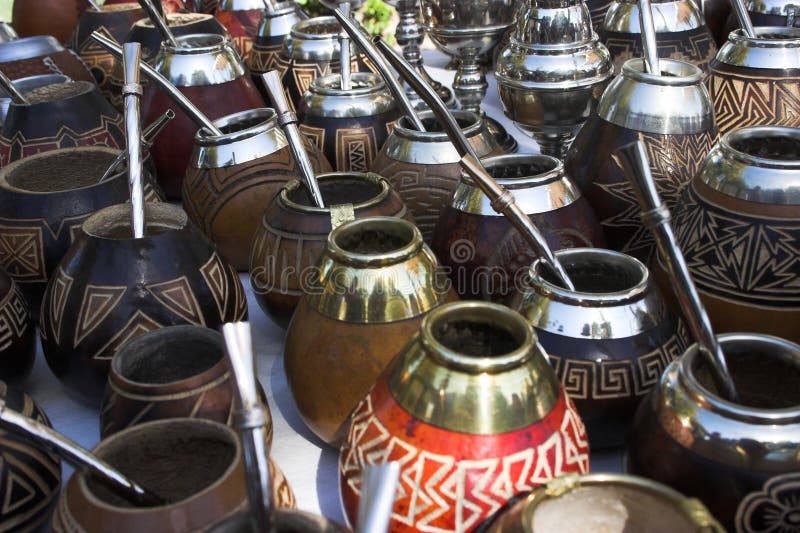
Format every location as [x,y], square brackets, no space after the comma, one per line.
[309,465]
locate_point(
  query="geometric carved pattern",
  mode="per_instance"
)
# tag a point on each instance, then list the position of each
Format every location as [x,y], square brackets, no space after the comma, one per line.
[22,253]
[98,302]
[13,319]
[741,100]
[137,325]
[738,257]
[315,135]
[214,274]
[674,161]
[441,493]
[355,148]
[695,46]
[609,379]
[18,147]
[178,297]
[774,509]
[60,290]
[264,58]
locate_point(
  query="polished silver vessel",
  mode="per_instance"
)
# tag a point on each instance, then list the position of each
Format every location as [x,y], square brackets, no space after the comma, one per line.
[552,72]
[199,60]
[368,96]
[676,102]
[741,459]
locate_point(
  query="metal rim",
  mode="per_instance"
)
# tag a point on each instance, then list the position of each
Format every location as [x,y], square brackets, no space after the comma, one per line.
[330,85]
[674,73]
[750,132]
[486,313]
[266,114]
[191,44]
[555,171]
[394,225]
[367,177]
[792,39]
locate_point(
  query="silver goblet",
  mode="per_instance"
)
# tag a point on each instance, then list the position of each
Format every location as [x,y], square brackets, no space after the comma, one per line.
[469,29]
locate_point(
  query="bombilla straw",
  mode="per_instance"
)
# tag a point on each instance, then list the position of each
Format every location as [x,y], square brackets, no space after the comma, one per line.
[175,95]
[502,200]
[11,89]
[351,27]
[159,22]
[649,43]
[288,122]
[251,420]
[132,92]
[79,457]
[149,134]
[378,487]
[655,216]
[744,18]
[344,50]
[94,5]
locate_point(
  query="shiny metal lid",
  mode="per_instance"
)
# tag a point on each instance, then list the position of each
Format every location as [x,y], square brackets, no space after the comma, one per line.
[434,147]
[669,16]
[615,296]
[199,59]
[758,163]
[241,5]
[315,39]
[28,47]
[247,136]
[538,183]
[677,102]
[278,22]
[368,96]
[775,48]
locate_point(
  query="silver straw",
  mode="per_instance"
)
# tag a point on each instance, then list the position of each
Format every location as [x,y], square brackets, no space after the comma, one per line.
[159,22]
[649,44]
[149,134]
[655,215]
[744,18]
[502,200]
[288,122]
[251,420]
[15,94]
[132,91]
[352,28]
[175,95]
[378,488]
[77,456]
[94,5]
[344,50]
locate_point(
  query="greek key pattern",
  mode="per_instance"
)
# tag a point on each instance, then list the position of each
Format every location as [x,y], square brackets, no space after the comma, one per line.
[674,161]
[775,508]
[741,100]
[470,489]
[738,257]
[18,146]
[695,46]
[609,379]
[425,189]
[13,318]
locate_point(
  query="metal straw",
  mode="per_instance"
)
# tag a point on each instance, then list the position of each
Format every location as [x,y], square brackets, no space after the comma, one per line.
[132,92]
[501,199]
[288,122]
[178,97]
[648,30]
[159,22]
[344,50]
[149,134]
[11,89]
[378,487]
[352,28]
[77,456]
[94,5]
[655,215]
[744,18]
[251,420]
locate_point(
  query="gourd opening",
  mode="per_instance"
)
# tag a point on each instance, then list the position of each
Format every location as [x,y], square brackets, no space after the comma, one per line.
[374,241]
[173,459]
[169,355]
[769,145]
[61,171]
[597,274]
[57,91]
[338,191]
[475,338]
[115,222]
